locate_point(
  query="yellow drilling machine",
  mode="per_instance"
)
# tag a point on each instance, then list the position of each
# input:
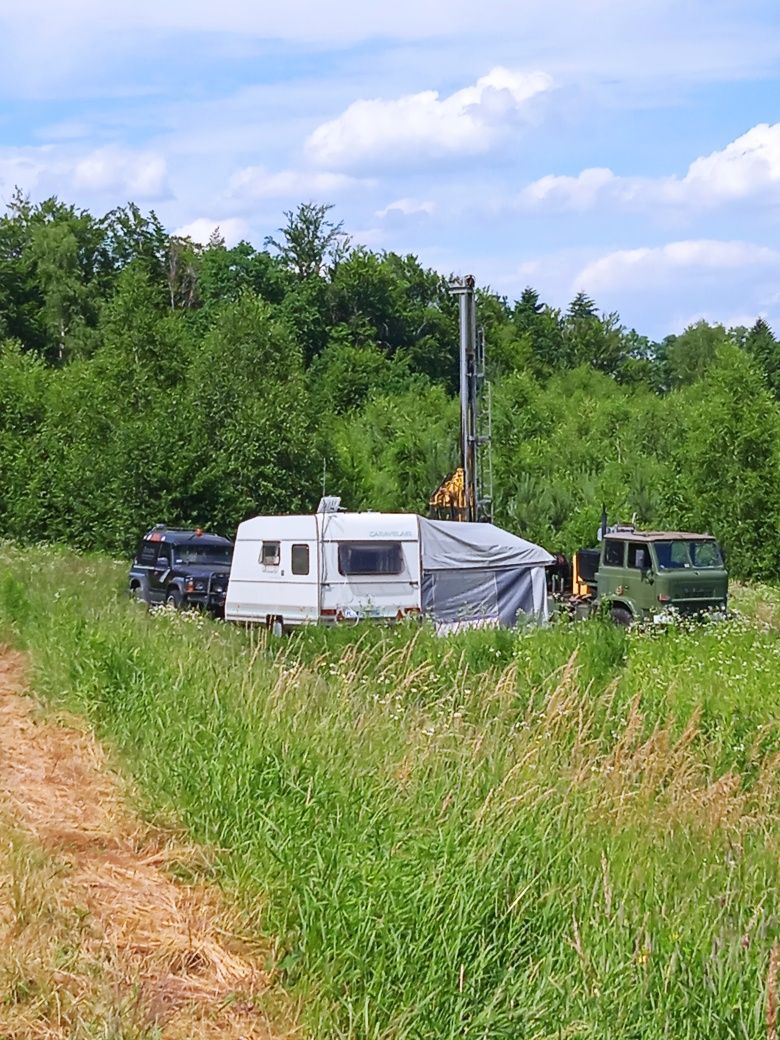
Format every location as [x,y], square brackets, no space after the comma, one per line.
[467,494]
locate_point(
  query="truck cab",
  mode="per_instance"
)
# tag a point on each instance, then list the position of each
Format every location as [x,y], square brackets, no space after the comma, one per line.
[657,575]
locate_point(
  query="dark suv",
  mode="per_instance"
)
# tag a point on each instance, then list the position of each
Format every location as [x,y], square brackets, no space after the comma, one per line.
[182,568]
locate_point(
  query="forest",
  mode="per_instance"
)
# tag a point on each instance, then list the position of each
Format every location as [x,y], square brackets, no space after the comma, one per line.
[146,378]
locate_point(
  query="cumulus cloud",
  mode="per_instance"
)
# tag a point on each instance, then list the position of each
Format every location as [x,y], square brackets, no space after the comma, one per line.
[232,229]
[139,175]
[22,168]
[407,207]
[657,265]
[747,168]
[120,173]
[255,182]
[425,125]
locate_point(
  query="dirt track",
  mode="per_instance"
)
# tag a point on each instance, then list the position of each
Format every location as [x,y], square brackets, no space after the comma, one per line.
[94,930]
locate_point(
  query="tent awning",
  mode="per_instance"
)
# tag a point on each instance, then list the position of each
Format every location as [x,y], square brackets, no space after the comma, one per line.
[450,544]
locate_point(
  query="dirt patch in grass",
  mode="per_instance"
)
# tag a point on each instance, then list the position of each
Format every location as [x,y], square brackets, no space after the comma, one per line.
[97,937]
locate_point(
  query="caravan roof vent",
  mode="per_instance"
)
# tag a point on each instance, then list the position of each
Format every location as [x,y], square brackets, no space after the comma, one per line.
[329,504]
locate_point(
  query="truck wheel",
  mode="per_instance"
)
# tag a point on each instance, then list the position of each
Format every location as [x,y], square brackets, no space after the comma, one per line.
[137,593]
[621,616]
[174,599]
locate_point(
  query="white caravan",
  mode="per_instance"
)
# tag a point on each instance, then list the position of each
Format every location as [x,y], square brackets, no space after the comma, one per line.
[332,566]
[325,567]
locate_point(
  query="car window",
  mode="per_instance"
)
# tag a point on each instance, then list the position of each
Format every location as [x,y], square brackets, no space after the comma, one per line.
[638,556]
[164,556]
[203,553]
[613,553]
[147,554]
[706,554]
[672,555]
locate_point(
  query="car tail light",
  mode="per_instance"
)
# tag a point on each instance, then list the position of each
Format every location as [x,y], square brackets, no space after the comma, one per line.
[664,597]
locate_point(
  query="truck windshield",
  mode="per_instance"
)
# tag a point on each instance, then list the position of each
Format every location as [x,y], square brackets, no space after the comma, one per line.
[370,558]
[681,553]
[219,555]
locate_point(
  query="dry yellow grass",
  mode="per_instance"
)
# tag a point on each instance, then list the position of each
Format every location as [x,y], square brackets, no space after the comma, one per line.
[96,937]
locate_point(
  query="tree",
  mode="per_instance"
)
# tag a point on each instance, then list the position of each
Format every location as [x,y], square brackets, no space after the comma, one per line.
[581,308]
[224,275]
[529,305]
[729,463]
[311,245]
[249,446]
[762,346]
[687,357]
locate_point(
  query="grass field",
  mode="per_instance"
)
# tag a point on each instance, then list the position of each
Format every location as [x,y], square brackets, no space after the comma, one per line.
[569,833]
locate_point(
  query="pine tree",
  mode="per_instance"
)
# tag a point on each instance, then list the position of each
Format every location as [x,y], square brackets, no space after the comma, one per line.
[765,351]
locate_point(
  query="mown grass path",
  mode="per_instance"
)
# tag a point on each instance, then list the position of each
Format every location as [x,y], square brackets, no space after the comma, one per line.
[97,938]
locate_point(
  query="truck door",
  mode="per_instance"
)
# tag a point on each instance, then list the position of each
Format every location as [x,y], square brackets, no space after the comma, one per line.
[158,576]
[612,569]
[639,576]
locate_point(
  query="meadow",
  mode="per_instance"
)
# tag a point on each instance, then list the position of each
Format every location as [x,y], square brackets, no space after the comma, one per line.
[569,833]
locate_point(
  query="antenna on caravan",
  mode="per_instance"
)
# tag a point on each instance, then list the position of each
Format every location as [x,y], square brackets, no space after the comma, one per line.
[468,493]
[329,504]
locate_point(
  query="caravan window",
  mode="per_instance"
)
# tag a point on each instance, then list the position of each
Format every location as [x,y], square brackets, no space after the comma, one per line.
[370,558]
[300,559]
[269,554]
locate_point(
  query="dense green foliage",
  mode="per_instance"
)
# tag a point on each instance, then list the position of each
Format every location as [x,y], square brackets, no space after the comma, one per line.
[571,832]
[144,378]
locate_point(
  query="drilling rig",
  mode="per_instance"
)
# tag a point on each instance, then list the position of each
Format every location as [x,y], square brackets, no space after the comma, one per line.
[467,494]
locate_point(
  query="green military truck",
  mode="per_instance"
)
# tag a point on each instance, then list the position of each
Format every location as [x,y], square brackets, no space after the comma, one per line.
[648,576]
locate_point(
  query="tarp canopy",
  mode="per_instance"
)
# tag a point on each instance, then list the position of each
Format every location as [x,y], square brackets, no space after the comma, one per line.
[479,573]
[452,545]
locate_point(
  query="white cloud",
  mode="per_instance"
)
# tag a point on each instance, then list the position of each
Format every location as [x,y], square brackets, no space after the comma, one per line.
[20,168]
[232,229]
[656,266]
[747,168]
[113,173]
[139,175]
[570,193]
[425,125]
[255,182]
[407,207]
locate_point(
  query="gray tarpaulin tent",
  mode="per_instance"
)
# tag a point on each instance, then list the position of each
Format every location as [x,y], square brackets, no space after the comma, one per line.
[480,573]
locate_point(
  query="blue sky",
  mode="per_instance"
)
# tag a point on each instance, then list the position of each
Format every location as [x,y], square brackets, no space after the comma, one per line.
[625,147]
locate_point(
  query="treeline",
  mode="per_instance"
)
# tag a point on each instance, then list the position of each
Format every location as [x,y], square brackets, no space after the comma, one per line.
[144,378]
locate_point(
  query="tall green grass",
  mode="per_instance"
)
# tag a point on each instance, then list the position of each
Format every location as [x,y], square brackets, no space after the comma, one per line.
[568,833]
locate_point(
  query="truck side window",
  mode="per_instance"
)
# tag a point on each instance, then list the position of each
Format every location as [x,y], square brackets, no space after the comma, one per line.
[613,553]
[269,554]
[300,559]
[638,556]
[163,557]
[147,554]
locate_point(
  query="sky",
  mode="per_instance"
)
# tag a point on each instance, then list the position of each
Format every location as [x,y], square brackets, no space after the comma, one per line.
[626,148]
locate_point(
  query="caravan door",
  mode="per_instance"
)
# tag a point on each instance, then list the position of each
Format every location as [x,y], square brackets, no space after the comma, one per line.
[371,565]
